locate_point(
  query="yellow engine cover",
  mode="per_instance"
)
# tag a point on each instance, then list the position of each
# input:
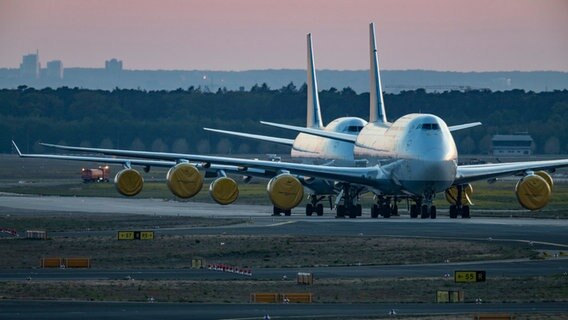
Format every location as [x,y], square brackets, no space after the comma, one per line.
[533,192]
[546,177]
[452,195]
[224,190]
[184,180]
[128,182]
[285,191]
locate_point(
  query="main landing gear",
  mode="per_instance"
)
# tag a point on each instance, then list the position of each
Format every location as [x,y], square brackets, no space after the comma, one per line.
[277,211]
[314,206]
[349,207]
[459,209]
[384,207]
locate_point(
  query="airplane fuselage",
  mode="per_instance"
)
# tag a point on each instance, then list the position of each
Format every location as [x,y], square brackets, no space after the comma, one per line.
[417,150]
[313,149]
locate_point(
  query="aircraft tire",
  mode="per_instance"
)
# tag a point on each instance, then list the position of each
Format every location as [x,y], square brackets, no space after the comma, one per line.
[319,209]
[309,209]
[424,212]
[288,212]
[358,209]
[276,211]
[340,211]
[374,211]
[433,212]
[465,212]
[413,211]
[386,211]
[453,211]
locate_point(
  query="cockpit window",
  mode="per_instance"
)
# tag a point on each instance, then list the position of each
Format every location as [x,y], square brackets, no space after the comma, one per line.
[429,126]
[354,128]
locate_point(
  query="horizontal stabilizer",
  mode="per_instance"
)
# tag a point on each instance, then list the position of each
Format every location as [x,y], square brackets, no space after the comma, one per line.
[283,141]
[464,126]
[316,132]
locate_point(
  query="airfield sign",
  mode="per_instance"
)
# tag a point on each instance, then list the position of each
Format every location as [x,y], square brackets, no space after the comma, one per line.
[469,276]
[136,235]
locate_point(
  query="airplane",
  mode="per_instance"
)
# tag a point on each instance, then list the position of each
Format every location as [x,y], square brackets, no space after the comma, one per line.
[314,149]
[414,156]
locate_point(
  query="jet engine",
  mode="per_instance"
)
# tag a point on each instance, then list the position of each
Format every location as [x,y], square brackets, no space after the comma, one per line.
[184,180]
[533,191]
[285,191]
[546,177]
[128,182]
[452,195]
[224,190]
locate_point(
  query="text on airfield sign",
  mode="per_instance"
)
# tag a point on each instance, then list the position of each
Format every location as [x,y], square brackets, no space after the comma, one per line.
[135,235]
[469,276]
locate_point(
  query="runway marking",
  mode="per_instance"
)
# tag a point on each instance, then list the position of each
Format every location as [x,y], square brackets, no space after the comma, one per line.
[281,223]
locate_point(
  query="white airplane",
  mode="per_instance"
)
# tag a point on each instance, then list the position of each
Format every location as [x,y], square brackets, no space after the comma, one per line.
[309,148]
[414,156]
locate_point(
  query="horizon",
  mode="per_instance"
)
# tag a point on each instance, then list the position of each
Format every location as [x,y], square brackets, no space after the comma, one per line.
[174,35]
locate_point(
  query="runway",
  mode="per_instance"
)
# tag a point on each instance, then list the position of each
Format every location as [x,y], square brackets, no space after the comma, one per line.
[546,234]
[538,233]
[109,310]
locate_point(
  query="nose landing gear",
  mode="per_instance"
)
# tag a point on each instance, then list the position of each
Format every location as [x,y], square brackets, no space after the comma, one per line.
[424,207]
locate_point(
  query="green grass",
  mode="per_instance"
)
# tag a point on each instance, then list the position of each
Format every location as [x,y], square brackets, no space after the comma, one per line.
[368,290]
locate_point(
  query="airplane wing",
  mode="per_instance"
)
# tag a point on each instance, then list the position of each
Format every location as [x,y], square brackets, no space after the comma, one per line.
[288,142]
[367,176]
[470,173]
[316,132]
[464,126]
[128,162]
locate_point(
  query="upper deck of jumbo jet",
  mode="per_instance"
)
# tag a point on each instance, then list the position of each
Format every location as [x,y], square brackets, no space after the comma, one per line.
[409,135]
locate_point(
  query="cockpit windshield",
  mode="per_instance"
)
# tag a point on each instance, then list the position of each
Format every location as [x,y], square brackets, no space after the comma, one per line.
[354,128]
[429,126]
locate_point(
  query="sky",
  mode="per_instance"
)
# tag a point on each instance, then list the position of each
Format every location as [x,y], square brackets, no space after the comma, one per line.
[444,35]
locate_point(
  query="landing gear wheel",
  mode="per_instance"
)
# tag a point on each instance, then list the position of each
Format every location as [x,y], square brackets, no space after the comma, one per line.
[358,210]
[309,209]
[386,210]
[453,211]
[413,211]
[433,212]
[288,212]
[374,211]
[424,212]
[276,211]
[319,209]
[465,212]
[340,211]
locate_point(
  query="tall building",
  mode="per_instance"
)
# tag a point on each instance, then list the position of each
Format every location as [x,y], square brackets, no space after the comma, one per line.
[54,70]
[113,65]
[29,68]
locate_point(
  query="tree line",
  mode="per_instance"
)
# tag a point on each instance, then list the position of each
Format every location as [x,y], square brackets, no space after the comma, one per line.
[173,120]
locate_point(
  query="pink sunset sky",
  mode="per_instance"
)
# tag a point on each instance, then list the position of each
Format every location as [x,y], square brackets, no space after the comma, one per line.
[449,35]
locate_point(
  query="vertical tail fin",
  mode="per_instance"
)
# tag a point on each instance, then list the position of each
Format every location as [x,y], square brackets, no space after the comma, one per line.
[313,106]
[377,105]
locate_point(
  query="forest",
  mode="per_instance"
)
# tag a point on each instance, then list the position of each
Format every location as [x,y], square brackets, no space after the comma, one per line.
[173,120]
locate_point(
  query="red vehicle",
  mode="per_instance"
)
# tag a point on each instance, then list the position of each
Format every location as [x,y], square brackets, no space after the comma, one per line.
[101,174]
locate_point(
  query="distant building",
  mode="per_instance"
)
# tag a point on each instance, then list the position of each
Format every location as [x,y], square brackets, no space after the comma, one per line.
[512,145]
[29,68]
[113,65]
[54,70]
